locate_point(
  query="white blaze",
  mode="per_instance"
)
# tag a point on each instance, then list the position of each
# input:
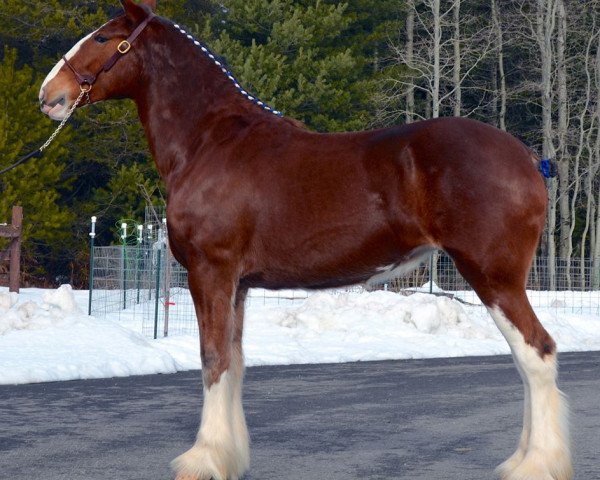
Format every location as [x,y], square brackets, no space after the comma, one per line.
[70,54]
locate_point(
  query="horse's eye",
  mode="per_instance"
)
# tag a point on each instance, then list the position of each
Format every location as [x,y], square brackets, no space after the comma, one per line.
[100,39]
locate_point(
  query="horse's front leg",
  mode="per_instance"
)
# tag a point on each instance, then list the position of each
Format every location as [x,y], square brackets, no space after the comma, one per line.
[221,450]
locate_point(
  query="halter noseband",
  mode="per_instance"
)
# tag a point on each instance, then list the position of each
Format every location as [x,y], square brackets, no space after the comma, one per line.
[87,81]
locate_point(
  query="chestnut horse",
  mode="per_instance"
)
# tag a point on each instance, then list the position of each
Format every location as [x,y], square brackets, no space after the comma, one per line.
[257,200]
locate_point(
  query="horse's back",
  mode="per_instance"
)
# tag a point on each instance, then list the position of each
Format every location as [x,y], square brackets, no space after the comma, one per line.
[458,172]
[459,144]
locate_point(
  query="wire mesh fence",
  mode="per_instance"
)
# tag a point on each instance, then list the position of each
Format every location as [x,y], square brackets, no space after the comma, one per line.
[144,286]
[568,286]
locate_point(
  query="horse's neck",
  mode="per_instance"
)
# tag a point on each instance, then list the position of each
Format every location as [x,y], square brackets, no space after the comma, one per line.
[183,95]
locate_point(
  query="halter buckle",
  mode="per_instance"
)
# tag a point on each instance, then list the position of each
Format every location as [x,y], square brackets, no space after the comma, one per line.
[124,47]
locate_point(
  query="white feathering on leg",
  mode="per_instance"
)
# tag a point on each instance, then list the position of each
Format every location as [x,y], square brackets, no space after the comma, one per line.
[219,452]
[547,453]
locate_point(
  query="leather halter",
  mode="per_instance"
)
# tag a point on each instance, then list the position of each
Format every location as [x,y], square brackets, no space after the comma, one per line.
[87,81]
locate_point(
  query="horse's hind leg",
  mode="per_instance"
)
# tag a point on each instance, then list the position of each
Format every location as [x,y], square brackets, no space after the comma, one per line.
[516,458]
[221,450]
[544,447]
[544,450]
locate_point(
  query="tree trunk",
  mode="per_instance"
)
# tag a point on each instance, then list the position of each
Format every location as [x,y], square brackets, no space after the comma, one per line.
[596,249]
[586,227]
[435,96]
[410,42]
[593,211]
[501,78]
[437,43]
[545,28]
[562,153]
[585,134]
[456,73]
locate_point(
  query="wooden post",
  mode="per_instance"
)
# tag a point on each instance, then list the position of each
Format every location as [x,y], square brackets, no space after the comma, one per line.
[13,233]
[14,276]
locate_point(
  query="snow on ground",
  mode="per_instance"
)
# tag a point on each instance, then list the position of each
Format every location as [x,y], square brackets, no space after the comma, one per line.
[45,335]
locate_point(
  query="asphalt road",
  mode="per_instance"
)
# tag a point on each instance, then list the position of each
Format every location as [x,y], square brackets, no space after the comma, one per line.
[419,419]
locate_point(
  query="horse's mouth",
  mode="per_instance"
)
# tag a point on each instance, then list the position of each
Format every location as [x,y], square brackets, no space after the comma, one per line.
[57,109]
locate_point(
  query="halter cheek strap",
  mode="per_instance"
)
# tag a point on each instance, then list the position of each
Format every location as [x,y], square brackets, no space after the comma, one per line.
[81,78]
[87,81]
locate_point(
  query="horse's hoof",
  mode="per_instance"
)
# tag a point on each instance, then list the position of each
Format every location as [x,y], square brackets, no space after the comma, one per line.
[506,468]
[540,466]
[208,462]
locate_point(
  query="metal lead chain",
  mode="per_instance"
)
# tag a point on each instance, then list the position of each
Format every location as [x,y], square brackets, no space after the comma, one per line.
[64,120]
[38,153]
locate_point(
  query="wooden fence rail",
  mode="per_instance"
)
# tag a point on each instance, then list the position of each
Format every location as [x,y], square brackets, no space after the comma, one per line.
[13,233]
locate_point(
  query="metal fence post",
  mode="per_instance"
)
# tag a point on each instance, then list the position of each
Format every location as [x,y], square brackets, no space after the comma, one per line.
[138,262]
[124,238]
[431,273]
[157,290]
[167,282]
[92,237]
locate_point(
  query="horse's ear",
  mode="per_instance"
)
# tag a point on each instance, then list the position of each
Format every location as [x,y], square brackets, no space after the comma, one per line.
[138,8]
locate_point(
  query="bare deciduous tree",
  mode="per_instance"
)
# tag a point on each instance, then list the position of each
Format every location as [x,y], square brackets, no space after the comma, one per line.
[534,68]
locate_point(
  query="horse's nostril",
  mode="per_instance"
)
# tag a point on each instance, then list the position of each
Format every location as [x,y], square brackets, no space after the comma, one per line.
[59,101]
[42,95]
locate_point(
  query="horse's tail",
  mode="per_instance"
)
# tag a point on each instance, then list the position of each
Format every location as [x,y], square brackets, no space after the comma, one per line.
[547,167]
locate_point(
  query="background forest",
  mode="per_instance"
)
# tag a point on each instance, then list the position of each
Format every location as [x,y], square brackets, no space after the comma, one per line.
[529,67]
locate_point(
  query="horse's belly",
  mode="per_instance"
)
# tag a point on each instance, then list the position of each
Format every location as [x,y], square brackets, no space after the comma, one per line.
[331,257]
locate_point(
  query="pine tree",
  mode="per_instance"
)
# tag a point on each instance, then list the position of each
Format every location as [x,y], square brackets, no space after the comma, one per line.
[38,184]
[290,54]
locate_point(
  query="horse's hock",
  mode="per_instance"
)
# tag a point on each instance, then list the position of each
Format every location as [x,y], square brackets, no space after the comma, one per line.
[12,252]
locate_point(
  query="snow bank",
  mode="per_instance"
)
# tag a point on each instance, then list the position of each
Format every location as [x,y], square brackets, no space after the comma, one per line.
[45,336]
[368,326]
[53,340]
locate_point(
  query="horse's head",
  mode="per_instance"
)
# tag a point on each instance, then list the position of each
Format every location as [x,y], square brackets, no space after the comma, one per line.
[89,64]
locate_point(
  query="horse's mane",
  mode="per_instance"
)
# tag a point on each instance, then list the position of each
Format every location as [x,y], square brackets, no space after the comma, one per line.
[223,65]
